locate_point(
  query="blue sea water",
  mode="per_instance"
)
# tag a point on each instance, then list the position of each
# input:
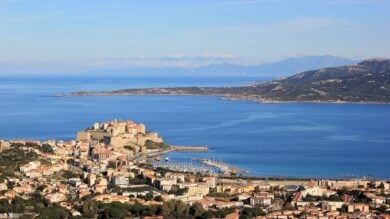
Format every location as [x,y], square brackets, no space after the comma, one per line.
[291,139]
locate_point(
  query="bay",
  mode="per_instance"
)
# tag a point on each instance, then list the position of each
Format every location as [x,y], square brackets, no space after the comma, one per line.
[290,139]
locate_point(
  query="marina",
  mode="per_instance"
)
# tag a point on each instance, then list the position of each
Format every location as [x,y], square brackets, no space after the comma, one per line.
[223,167]
[185,167]
[204,166]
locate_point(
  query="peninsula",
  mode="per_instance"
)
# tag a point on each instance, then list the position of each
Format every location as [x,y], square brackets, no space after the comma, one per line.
[367,81]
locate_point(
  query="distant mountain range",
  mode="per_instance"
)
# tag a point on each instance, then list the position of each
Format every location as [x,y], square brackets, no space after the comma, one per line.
[281,68]
[367,81]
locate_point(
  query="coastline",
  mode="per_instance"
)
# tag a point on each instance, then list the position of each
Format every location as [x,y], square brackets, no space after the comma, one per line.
[223,97]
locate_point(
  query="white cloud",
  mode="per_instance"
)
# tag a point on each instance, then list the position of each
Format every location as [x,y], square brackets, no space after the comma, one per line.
[162,61]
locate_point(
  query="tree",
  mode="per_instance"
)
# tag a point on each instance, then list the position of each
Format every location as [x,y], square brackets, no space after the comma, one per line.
[90,209]
[149,196]
[46,148]
[53,212]
[382,209]
[381,186]
[175,209]
[115,210]
[178,191]
[251,212]
[158,198]
[69,174]
[196,209]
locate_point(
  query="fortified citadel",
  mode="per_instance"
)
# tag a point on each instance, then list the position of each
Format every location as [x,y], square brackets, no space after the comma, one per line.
[118,133]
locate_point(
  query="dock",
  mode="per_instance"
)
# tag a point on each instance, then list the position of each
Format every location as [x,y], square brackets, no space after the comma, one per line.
[191,148]
[223,167]
[181,167]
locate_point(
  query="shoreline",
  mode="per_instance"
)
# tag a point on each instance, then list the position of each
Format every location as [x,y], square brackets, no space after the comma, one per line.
[249,176]
[223,97]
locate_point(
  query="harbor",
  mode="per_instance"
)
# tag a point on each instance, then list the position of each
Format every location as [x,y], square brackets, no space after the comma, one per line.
[185,167]
[203,166]
[223,167]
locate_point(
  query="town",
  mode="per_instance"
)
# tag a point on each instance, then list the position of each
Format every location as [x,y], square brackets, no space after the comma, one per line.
[112,170]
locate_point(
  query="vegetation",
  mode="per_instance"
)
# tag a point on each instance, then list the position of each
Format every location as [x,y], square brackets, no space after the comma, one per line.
[137,180]
[251,212]
[156,145]
[12,159]
[45,148]
[358,195]
[36,204]
[158,198]
[147,197]
[69,174]
[170,209]
[311,198]
[178,191]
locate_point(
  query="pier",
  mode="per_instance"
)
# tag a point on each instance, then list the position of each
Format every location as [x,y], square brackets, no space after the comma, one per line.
[191,148]
[179,149]
[189,168]
[223,167]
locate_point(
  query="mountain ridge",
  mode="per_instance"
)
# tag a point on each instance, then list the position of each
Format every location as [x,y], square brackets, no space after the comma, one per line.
[280,68]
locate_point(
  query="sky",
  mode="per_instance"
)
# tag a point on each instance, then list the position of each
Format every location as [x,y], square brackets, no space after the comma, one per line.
[79,35]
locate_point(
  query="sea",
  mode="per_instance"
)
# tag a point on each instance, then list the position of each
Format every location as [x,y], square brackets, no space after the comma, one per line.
[267,139]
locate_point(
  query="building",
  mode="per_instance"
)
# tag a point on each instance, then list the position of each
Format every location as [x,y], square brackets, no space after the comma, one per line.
[194,189]
[261,199]
[165,184]
[235,188]
[4,145]
[75,182]
[118,134]
[358,207]
[120,180]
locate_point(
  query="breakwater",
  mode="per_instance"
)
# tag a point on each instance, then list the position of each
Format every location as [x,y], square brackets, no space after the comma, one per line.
[223,167]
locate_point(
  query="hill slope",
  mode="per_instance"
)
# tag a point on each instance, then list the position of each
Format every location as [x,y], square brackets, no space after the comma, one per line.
[367,81]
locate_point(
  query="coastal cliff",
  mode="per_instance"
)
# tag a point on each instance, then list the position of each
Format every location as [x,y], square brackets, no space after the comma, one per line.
[367,81]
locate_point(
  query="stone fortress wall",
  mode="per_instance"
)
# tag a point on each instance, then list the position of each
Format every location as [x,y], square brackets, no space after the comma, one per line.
[119,133]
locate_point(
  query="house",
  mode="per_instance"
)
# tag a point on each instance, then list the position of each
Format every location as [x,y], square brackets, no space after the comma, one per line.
[194,189]
[120,180]
[74,182]
[210,181]
[235,188]
[30,166]
[4,145]
[316,191]
[101,154]
[107,198]
[261,199]
[165,184]
[358,207]
[55,197]
[3,187]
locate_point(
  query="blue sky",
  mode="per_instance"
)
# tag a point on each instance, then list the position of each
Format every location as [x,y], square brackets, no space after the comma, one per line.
[89,34]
